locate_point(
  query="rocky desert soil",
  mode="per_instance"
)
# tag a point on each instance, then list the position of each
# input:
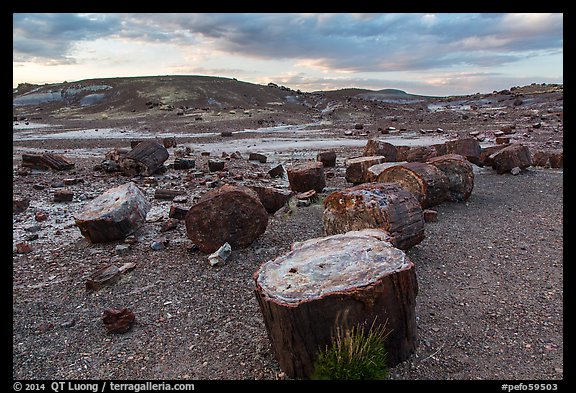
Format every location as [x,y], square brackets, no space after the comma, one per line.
[490,270]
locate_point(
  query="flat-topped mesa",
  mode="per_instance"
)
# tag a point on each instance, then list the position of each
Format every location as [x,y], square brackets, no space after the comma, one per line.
[385,206]
[335,282]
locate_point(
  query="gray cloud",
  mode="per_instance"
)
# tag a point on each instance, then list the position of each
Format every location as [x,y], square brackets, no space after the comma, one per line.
[351,42]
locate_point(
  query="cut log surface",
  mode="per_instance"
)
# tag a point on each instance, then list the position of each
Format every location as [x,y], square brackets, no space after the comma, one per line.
[114,214]
[460,175]
[428,183]
[385,206]
[144,159]
[486,152]
[337,282]
[229,214]
[375,170]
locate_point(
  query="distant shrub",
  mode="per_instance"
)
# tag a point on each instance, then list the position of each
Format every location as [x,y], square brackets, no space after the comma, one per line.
[354,354]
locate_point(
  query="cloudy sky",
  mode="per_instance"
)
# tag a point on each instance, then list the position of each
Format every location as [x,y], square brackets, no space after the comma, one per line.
[433,54]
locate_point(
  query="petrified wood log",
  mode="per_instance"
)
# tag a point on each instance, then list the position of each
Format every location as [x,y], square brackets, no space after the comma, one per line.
[337,282]
[229,214]
[548,158]
[144,159]
[428,183]
[46,161]
[357,168]
[114,214]
[385,206]
[307,176]
[375,147]
[375,170]
[272,198]
[467,147]
[420,153]
[515,155]
[460,175]
[118,320]
[486,152]
[327,158]
[167,194]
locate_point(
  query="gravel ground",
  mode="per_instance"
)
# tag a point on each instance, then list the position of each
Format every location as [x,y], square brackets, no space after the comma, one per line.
[490,270]
[490,301]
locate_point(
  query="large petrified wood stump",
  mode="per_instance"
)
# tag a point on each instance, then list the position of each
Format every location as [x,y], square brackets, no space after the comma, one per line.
[337,282]
[144,159]
[385,206]
[229,214]
[460,175]
[114,214]
[428,183]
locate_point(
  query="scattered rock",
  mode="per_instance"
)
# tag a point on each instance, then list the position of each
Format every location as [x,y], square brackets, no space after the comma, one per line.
[219,256]
[272,198]
[257,157]
[216,165]
[64,195]
[19,205]
[277,171]
[114,214]
[430,215]
[181,163]
[118,320]
[327,158]
[357,168]
[23,248]
[515,155]
[105,275]
[307,176]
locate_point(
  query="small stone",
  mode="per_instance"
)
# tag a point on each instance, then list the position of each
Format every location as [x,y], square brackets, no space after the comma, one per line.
[122,249]
[430,215]
[515,171]
[41,216]
[23,248]
[118,320]
[63,195]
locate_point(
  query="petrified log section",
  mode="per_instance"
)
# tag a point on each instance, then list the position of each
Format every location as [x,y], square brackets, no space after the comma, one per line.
[515,155]
[548,158]
[337,282]
[421,153]
[385,206]
[486,152]
[327,158]
[467,147]
[428,183]
[376,147]
[46,161]
[113,215]
[307,176]
[375,170]
[167,194]
[144,159]
[357,168]
[229,214]
[272,198]
[460,175]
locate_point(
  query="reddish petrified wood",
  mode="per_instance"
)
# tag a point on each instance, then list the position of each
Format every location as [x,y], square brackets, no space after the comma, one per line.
[118,320]
[486,152]
[272,198]
[428,183]
[460,175]
[515,155]
[467,147]
[375,147]
[385,206]
[307,176]
[357,168]
[337,282]
[232,214]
